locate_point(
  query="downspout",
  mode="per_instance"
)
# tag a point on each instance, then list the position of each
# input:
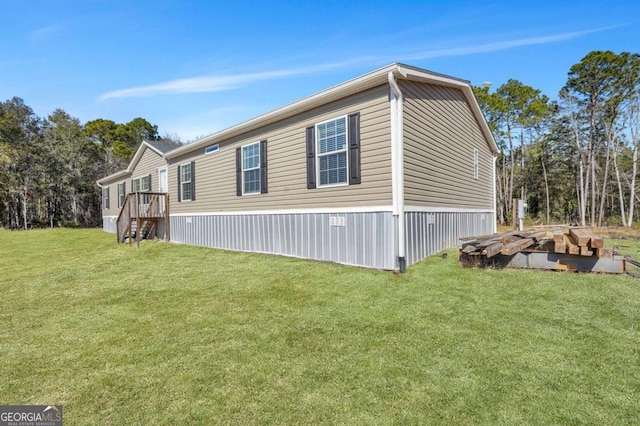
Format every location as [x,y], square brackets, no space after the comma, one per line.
[495,200]
[397,167]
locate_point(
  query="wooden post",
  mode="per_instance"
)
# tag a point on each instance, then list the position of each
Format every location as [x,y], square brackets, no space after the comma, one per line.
[129,208]
[137,220]
[166,217]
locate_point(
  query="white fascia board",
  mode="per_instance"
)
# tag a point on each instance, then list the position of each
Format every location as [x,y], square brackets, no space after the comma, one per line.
[138,155]
[115,176]
[411,73]
[468,91]
[132,164]
[321,210]
[156,150]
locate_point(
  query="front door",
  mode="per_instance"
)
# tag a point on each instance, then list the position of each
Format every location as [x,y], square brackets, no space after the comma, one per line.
[163,185]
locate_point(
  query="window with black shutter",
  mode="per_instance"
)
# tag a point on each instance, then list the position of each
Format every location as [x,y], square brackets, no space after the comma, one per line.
[122,192]
[333,152]
[251,169]
[187,182]
[105,198]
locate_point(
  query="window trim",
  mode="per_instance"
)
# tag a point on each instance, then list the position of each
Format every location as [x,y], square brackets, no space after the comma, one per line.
[139,181]
[345,117]
[212,149]
[183,182]
[122,196]
[146,178]
[259,168]
[105,198]
[476,166]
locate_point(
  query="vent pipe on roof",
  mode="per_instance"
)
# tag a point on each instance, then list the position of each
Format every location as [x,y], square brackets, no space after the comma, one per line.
[397,166]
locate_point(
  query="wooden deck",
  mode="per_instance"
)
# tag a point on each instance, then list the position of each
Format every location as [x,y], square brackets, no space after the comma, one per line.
[140,214]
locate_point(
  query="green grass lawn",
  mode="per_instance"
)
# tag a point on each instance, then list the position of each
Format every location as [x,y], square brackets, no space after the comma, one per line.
[172,334]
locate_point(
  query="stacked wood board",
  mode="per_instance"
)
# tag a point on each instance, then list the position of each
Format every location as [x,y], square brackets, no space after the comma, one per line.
[563,248]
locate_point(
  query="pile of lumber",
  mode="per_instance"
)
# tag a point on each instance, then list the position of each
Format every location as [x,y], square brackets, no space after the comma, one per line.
[565,239]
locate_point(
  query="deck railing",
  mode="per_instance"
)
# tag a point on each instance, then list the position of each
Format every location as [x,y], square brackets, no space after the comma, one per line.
[142,207]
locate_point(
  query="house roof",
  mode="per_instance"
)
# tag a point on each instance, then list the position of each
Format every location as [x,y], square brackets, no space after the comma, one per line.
[355,85]
[115,176]
[158,147]
[162,147]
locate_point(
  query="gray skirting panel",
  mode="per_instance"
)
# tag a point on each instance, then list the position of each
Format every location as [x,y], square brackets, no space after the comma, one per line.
[109,224]
[362,239]
[429,233]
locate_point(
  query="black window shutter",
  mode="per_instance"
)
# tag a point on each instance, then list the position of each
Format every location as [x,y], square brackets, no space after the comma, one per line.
[238,172]
[132,185]
[179,184]
[124,187]
[193,181]
[354,148]
[107,197]
[150,184]
[263,167]
[311,157]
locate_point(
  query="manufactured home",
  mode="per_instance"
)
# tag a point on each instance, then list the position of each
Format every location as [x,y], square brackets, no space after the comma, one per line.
[380,171]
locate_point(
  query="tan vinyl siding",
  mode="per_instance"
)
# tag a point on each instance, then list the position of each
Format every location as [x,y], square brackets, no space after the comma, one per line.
[113,209]
[215,183]
[440,135]
[149,163]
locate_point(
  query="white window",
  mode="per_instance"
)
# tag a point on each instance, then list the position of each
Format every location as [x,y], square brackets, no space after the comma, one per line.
[331,146]
[185,182]
[142,183]
[211,149]
[121,194]
[475,163]
[251,168]
[105,198]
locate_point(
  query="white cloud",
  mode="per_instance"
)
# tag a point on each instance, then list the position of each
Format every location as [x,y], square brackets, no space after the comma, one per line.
[502,45]
[218,83]
[44,32]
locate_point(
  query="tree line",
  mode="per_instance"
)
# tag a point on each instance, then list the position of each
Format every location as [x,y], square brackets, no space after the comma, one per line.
[49,166]
[574,159]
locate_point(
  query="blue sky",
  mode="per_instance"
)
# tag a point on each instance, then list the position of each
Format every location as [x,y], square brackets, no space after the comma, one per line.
[196,67]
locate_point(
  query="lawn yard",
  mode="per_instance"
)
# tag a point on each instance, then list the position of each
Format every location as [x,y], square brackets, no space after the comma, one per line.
[172,334]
